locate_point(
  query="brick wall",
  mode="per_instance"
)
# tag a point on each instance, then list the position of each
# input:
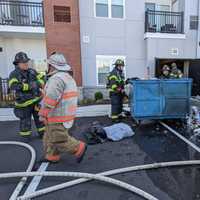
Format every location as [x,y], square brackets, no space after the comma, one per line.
[64,37]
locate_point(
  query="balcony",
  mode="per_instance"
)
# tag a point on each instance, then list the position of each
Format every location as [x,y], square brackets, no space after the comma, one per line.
[164,22]
[21,13]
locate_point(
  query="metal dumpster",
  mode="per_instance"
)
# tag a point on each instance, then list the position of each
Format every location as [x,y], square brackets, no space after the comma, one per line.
[160,98]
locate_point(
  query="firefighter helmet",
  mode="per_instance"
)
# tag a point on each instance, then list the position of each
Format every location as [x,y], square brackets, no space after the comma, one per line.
[58,61]
[174,65]
[165,68]
[119,62]
[21,57]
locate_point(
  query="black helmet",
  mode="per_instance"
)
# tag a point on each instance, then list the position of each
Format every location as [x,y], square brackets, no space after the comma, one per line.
[119,62]
[21,57]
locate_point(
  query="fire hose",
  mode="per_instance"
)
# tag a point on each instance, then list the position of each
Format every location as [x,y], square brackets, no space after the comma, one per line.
[87,177]
[29,169]
[109,173]
[82,175]
[105,179]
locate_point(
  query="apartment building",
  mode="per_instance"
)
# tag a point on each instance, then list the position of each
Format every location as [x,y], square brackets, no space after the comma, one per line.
[92,33]
[142,32]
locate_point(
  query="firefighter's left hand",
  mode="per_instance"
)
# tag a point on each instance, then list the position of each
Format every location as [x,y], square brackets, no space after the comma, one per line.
[37,108]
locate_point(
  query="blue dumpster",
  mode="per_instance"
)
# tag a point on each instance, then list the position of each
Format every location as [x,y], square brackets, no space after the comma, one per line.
[160,98]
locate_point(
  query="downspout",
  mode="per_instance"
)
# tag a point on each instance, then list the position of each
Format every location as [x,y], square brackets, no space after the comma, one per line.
[198,32]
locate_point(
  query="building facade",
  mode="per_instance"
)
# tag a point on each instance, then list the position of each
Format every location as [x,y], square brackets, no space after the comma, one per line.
[92,33]
[142,32]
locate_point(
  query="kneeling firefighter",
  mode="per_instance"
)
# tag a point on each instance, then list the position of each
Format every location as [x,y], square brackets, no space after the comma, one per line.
[116,85]
[26,83]
[58,111]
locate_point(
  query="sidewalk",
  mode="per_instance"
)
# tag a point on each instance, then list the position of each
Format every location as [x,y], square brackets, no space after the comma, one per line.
[6,114]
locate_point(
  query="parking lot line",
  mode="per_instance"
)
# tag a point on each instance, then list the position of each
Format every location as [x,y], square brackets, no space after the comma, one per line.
[181,137]
[36,180]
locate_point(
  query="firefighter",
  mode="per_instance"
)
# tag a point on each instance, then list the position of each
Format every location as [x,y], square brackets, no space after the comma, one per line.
[58,111]
[116,85]
[165,72]
[175,72]
[26,83]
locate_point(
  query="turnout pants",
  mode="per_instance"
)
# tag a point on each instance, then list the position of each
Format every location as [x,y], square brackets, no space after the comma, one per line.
[25,116]
[116,104]
[57,140]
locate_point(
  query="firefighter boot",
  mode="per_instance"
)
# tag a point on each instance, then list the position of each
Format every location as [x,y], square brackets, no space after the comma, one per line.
[80,152]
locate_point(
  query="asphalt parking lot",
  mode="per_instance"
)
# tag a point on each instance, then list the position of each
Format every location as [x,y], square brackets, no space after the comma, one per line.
[148,145]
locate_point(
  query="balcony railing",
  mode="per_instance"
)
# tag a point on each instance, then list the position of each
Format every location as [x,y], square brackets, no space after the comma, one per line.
[164,22]
[21,13]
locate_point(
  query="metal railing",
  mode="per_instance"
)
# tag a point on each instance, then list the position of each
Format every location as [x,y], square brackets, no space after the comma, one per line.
[21,13]
[164,22]
[7,97]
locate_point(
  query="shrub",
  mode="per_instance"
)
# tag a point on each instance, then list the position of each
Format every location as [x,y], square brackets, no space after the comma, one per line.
[98,96]
[86,102]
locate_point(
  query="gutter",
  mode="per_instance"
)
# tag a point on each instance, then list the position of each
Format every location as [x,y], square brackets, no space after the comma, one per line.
[198,32]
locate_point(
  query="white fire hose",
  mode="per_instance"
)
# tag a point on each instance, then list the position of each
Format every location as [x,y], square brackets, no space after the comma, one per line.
[81,175]
[109,173]
[22,182]
[87,177]
[28,173]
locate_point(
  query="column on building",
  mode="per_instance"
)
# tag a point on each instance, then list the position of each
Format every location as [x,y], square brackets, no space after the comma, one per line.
[62,26]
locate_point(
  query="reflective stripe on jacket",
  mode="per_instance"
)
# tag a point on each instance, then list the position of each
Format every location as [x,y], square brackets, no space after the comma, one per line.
[115,81]
[21,82]
[59,104]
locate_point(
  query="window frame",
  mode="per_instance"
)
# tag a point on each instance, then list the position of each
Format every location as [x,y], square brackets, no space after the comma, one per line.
[110,11]
[114,57]
[194,21]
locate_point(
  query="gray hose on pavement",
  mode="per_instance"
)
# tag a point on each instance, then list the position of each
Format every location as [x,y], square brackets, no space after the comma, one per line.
[22,182]
[82,175]
[109,173]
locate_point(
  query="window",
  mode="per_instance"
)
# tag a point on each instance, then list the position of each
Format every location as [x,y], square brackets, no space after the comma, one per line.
[194,22]
[150,6]
[110,8]
[62,14]
[153,6]
[117,9]
[102,8]
[163,8]
[104,66]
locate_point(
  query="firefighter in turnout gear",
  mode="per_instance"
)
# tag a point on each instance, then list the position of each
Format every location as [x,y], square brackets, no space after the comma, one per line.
[116,84]
[165,72]
[26,83]
[175,72]
[58,111]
